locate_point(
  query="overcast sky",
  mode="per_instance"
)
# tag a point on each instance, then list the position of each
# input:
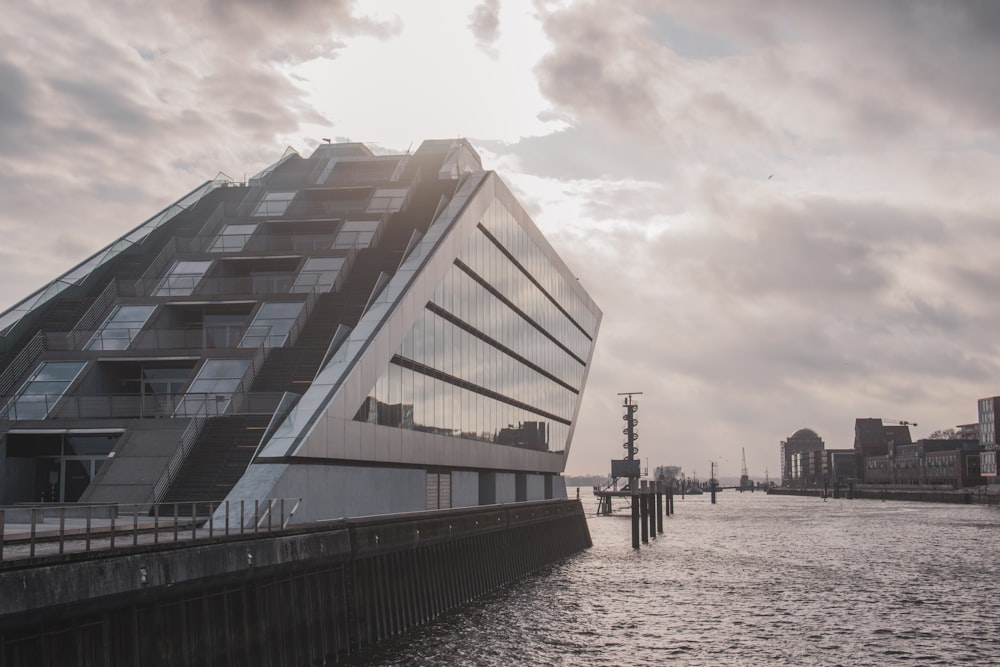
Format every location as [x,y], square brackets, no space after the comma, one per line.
[787,210]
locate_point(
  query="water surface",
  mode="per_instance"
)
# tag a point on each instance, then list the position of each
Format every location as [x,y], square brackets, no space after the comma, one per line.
[754,579]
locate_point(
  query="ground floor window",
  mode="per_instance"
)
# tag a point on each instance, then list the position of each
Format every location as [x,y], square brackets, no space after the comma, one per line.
[53,467]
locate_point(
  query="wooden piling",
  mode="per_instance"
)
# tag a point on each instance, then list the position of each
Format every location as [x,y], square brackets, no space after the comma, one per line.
[644,510]
[659,507]
[633,485]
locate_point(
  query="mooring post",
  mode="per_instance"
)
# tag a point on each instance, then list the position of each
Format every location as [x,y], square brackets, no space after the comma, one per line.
[644,511]
[651,506]
[633,488]
[659,506]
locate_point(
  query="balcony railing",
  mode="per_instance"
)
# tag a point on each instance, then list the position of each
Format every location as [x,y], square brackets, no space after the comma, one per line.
[125,338]
[127,406]
[23,361]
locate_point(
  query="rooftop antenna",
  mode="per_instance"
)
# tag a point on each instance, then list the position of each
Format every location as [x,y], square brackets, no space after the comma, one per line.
[326,139]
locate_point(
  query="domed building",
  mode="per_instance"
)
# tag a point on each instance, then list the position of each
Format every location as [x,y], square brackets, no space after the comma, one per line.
[803,441]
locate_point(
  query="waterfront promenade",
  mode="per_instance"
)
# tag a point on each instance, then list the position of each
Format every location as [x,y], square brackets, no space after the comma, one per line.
[30,532]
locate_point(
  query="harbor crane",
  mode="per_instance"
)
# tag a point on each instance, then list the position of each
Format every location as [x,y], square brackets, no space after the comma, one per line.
[746,484]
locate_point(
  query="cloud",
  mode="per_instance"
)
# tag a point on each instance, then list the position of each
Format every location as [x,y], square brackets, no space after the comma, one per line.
[484,21]
[868,79]
[597,66]
[110,106]
[15,105]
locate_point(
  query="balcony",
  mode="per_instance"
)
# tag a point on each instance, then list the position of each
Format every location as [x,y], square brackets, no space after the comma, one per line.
[129,406]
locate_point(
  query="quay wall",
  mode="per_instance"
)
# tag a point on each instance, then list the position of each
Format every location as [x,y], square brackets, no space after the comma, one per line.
[960,496]
[305,596]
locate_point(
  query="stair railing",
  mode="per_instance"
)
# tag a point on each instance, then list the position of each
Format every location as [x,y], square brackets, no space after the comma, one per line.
[85,326]
[17,367]
[300,322]
[153,275]
[184,447]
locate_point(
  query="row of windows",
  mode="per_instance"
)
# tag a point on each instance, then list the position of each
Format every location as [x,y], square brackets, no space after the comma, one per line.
[210,391]
[383,200]
[439,344]
[320,274]
[352,234]
[937,461]
[502,225]
[405,398]
[270,327]
[468,301]
[510,366]
[487,261]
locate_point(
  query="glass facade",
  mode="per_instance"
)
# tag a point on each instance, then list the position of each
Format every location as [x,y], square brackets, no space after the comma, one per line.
[272,324]
[213,388]
[387,200]
[232,238]
[184,276]
[319,273]
[43,390]
[274,203]
[357,234]
[58,467]
[121,328]
[499,352]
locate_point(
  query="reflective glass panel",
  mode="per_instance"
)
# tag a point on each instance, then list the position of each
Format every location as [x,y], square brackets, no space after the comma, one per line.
[121,328]
[232,238]
[274,204]
[43,389]
[183,277]
[319,273]
[272,324]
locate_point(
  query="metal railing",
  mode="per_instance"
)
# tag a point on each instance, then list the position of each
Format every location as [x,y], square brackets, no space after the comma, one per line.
[139,338]
[102,303]
[153,272]
[176,461]
[132,406]
[277,283]
[31,532]
[22,362]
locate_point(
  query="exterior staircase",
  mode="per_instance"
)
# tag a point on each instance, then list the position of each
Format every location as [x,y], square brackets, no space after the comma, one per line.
[218,459]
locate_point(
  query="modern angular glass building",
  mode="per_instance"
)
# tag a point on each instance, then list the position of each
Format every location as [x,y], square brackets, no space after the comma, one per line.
[370,333]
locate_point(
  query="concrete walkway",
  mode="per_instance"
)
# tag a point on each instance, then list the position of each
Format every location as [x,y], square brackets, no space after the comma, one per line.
[18,543]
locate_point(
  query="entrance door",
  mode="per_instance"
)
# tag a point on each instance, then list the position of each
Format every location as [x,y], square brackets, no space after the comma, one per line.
[48,481]
[76,478]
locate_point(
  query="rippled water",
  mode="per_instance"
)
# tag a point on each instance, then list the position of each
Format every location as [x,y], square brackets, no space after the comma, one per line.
[755,579]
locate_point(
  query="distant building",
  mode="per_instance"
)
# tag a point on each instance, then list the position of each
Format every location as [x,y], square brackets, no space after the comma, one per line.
[795,469]
[988,409]
[873,437]
[967,432]
[840,467]
[926,462]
